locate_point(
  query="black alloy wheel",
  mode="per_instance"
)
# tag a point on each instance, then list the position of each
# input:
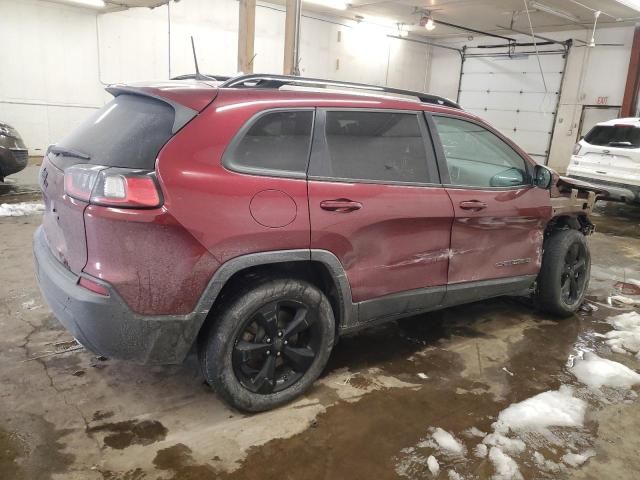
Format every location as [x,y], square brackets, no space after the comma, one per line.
[276,346]
[564,274]
[574,274]
[267,342]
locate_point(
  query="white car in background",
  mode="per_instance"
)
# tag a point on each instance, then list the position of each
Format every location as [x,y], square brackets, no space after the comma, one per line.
[609,155]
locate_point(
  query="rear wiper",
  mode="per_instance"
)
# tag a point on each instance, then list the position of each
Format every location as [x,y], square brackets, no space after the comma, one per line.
[620,144]
[67,152]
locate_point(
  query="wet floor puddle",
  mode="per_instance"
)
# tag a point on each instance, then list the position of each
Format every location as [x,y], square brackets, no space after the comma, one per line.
[469,364]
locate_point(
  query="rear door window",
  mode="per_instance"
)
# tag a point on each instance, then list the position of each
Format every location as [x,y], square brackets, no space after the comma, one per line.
[273,143]
[127,132]
[386,147]
[619,136]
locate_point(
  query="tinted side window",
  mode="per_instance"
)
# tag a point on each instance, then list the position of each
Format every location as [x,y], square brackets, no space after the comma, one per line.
[478,158]
[274,142]
[375,146]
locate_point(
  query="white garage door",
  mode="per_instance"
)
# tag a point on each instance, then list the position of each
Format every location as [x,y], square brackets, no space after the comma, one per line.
[509,93]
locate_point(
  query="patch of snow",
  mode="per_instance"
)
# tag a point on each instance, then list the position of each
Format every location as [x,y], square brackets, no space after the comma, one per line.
[448,442]
[506,444]
[434,466]
[544,464]
[411,466]
[577,459]
[30,305]
[476,432]
[480,451]
[555,408]
[626,336]
[597,372]
[453,475]
[20,209]
[505,467]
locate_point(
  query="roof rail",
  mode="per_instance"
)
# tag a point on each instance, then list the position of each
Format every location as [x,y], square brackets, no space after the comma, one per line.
[276,81]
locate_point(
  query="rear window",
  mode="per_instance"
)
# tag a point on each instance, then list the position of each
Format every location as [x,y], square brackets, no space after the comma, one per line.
[128,132]
[273,143]
[621,136]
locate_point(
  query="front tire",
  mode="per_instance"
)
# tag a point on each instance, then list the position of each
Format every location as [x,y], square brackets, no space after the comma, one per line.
[564,275]
[268,344]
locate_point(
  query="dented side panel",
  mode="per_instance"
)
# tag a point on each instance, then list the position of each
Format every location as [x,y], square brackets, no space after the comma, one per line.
[397,241]
[502,240]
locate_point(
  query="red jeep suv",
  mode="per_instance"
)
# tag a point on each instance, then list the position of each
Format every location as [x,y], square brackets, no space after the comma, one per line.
[260,219]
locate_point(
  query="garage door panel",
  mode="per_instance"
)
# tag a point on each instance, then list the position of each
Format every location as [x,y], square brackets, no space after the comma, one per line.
[530,142]
[518,64]
[534,121]
[493,100]
[510,94]
[501,82]
[534,102]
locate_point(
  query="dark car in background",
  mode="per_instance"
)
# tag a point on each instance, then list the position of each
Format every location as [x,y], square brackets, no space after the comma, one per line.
[13,152]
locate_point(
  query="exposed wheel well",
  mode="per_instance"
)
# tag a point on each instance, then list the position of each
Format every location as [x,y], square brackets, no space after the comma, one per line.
[313,272]
[570,222]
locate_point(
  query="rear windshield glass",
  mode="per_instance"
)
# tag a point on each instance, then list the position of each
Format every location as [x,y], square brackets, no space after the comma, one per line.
[621,136]
[129,131]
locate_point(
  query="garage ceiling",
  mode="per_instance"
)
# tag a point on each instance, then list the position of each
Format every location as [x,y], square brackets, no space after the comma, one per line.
[488,15]
[485,15]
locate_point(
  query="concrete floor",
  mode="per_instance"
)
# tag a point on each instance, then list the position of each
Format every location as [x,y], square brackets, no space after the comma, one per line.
[65,414]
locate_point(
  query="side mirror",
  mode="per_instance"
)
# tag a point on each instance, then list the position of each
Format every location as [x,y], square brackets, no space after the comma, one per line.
[542,177]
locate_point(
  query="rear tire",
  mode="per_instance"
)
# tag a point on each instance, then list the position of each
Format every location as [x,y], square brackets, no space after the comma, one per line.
[267,344]
[564,275]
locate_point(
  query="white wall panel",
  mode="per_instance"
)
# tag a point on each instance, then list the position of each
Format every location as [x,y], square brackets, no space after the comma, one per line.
[60,54]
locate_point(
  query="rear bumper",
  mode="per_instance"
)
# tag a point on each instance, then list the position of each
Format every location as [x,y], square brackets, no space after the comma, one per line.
[615,190]
[105,324]
[12,160]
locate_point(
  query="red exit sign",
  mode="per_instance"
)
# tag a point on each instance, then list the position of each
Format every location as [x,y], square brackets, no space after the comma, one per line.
[602,101]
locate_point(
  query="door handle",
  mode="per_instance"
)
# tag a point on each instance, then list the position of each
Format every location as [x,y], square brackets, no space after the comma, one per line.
[474,205]
[341,205]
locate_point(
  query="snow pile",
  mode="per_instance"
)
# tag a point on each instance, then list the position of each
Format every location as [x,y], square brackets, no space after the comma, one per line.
[453,475]
[506,444]
[447,442]
[597,372]
[480,451]
[577,459]
[506,468]
[20,209]
[434,466]
[544,464]
[626,336]
[556,408]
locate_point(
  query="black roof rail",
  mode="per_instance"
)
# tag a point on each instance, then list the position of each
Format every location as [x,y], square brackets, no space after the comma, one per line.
[257,80]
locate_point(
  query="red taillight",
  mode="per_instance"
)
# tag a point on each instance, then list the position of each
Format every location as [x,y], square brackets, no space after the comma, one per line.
[95,287]
[112,187]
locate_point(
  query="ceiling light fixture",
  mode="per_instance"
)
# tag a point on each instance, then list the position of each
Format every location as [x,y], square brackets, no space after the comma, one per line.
[88,3]
[635,4]
[335,4]
[427,22]
[554,11]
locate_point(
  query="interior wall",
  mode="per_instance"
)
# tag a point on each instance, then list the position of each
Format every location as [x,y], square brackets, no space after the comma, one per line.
[61,55]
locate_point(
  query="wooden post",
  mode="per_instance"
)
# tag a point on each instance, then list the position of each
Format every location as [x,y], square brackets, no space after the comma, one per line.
[292,37]
[246,35]
[630,99]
